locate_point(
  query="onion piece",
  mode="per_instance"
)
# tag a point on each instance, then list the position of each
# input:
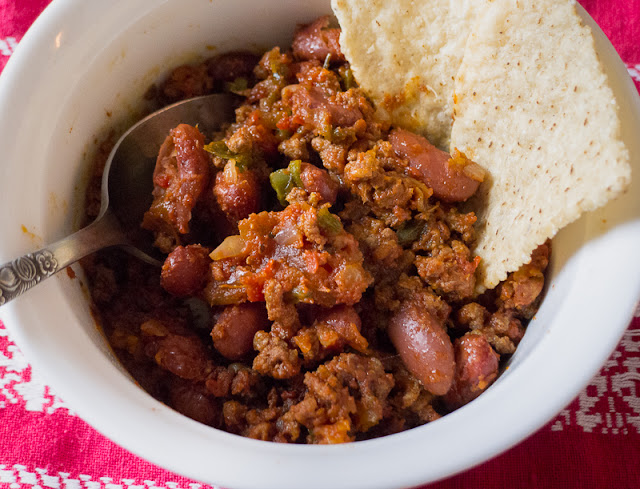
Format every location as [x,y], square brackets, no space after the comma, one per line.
[287,236]
[470,168]
[474,171]
[230,247]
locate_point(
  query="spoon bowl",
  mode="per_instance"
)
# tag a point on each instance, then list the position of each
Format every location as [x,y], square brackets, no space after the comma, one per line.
[126,195]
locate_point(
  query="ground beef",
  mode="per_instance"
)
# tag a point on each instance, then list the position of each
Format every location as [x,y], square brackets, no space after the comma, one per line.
[389,195]
[344,395]
[450,270]
[275,358]
[521,290]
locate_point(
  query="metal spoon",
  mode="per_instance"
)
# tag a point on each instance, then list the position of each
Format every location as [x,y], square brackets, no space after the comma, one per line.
[126,195]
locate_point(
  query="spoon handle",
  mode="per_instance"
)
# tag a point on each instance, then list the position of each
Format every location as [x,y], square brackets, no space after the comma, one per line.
[23,273]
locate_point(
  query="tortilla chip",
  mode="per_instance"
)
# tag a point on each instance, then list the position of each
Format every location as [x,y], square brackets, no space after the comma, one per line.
[405,55]
[534,108]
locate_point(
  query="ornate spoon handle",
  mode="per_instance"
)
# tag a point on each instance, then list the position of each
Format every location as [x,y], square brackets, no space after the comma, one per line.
[21,274]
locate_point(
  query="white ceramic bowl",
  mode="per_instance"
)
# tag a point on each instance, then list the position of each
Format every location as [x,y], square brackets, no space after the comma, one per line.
[83,60]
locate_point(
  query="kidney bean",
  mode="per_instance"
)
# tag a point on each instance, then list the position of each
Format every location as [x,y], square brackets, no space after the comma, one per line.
[430,165]
[345,321]
[314,106]
[180,176]
[185,270]
[229,66]
[186,81]
[424,346]
[340,317]
[235,328]
[192,401]
[183,356]
[316,41]
[476,369]
[237,192]
[317,180]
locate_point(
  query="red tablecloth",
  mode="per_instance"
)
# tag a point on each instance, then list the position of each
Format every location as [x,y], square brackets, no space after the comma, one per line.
[594,442]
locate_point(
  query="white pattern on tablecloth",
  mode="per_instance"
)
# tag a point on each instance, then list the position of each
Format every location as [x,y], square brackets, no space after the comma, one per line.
[634,71]
[19,385]
[610,404]
[21,477]
[8,45]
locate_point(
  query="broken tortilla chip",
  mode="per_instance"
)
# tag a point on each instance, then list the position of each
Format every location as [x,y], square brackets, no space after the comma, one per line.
[405,55]
[534,108]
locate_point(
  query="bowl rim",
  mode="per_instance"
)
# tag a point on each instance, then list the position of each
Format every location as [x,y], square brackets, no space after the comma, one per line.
[241,462]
